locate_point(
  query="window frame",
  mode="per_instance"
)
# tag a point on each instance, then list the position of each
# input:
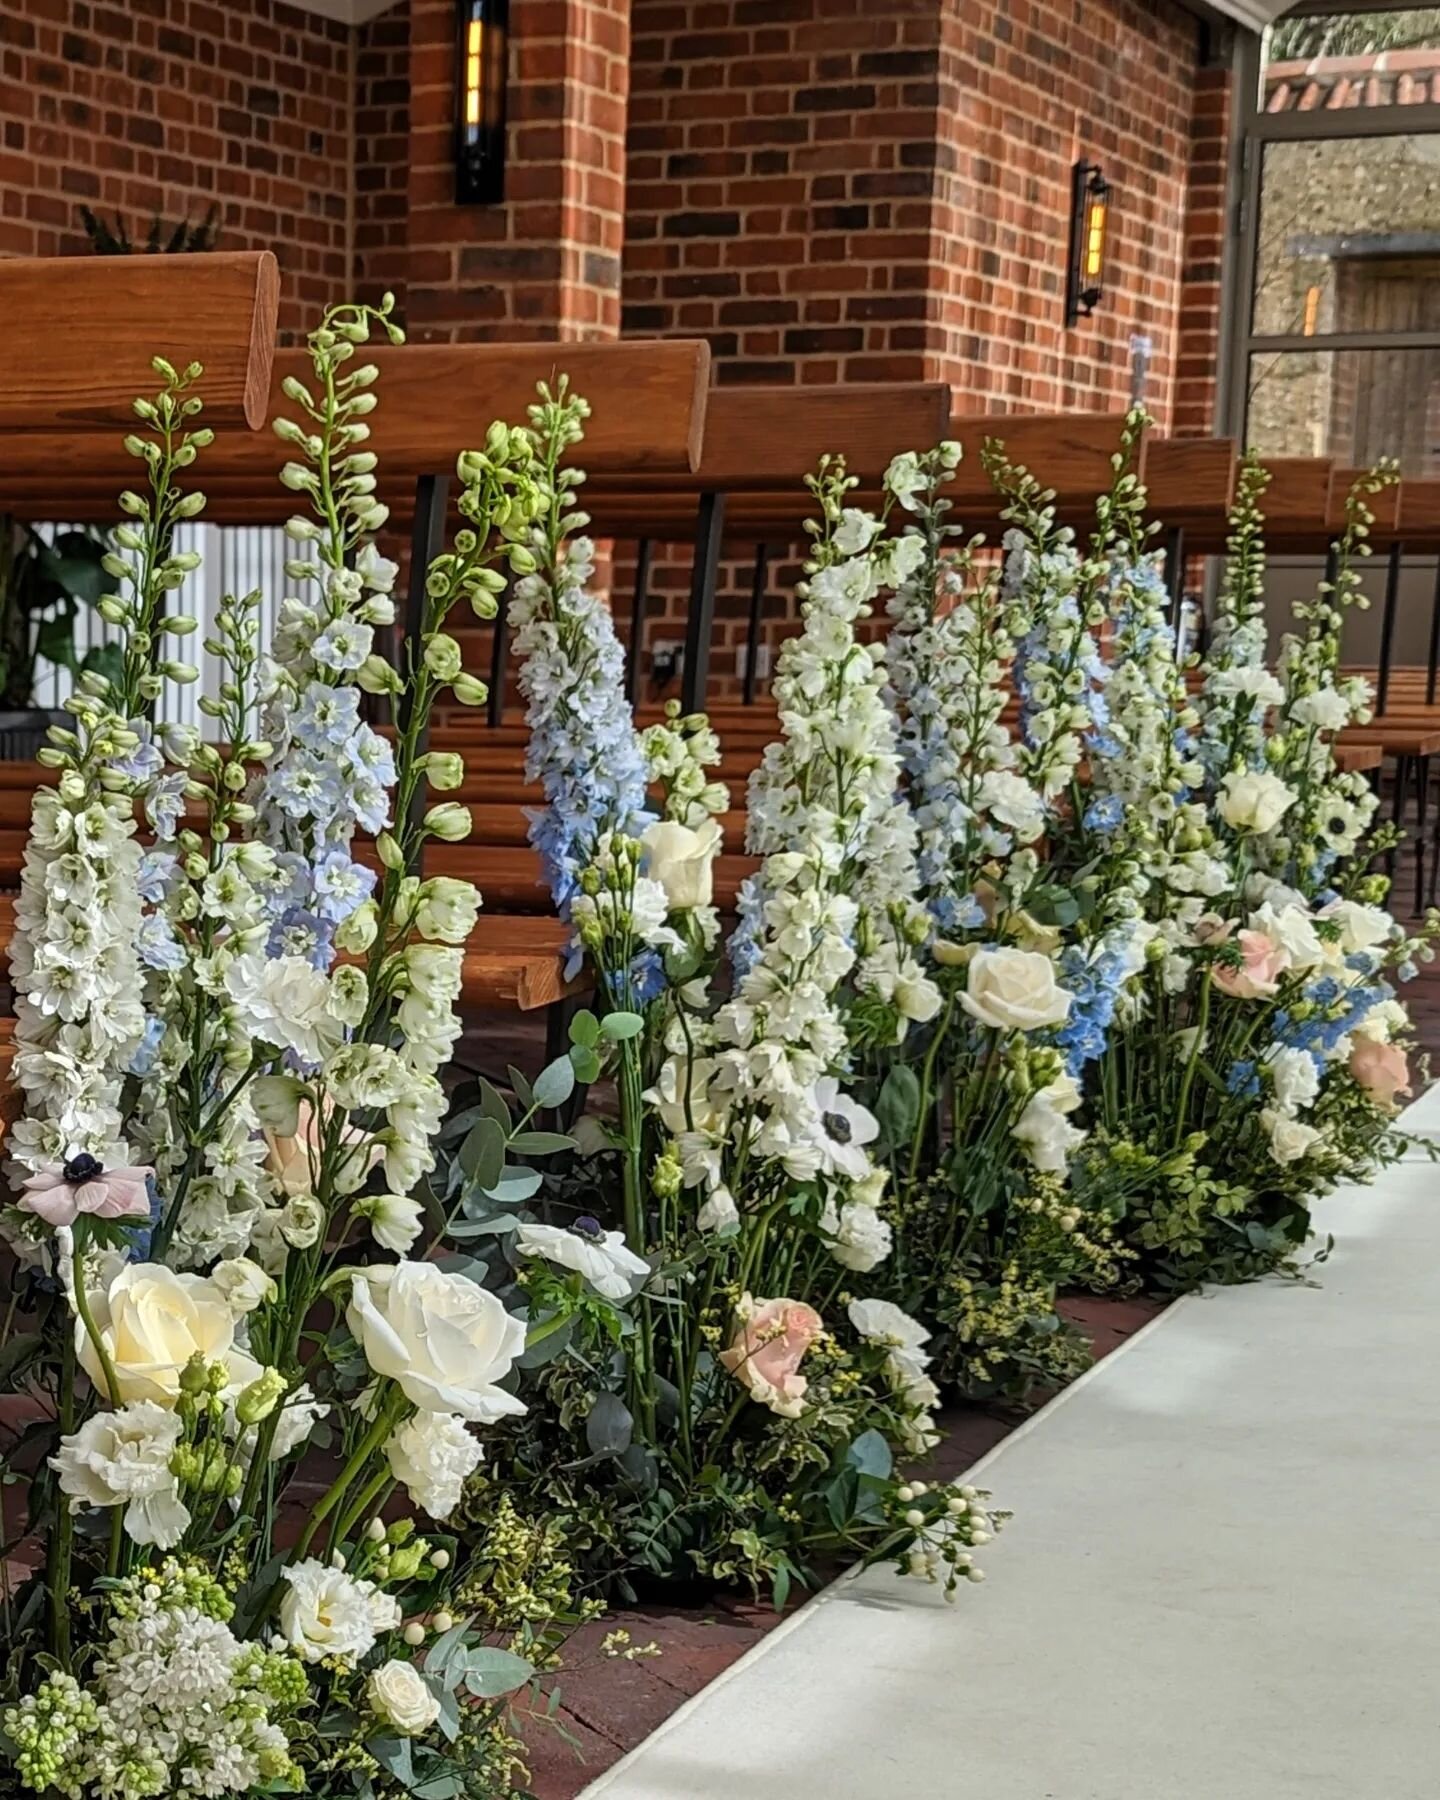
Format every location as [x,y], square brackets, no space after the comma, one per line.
[1259,129]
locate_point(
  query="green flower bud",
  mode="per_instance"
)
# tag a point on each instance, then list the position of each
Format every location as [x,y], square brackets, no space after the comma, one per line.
[448,822]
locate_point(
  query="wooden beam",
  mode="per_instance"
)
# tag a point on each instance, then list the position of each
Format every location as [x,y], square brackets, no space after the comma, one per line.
[1183,474]
[1419,515]
[1299,495]
[79,334]
[1069,452]
[772,437]
[648,402]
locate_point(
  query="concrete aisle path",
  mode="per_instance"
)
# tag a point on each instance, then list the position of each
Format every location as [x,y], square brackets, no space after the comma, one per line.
[1222,1581]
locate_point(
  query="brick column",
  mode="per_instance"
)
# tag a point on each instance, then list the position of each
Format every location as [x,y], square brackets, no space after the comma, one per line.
[546,262]
[1202,269]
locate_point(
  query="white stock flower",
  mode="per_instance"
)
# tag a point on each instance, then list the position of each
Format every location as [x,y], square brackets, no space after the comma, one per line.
[1011,800]
[432,1456]
[604,1259]
[123,1459]
[682,861]
[326,1612]
[1014,990]
[443,1339]
[397,1694]
[1254,800]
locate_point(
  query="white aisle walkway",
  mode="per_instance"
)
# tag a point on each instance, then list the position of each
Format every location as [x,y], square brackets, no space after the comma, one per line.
[1222,1581]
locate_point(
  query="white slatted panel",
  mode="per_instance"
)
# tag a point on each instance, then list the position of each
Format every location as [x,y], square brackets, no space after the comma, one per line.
[235,560]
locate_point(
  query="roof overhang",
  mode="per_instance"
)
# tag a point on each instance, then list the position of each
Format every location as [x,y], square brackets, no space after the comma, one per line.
[348,12]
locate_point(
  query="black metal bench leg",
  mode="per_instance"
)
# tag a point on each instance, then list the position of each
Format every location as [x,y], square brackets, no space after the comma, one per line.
[1397,810]
[1422,791]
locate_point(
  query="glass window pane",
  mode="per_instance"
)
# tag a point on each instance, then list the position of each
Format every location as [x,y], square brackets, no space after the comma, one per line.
[1355,405]
[1295,43]
[1349,236]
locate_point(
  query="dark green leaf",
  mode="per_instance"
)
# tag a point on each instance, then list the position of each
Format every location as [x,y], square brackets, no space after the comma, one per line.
[492,1106]
[521,1088]
[541,1143]
[898,1107]
[482,1155]
[608,1426]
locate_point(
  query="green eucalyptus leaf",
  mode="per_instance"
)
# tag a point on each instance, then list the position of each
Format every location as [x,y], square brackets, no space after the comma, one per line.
[617,1026]
[585,1030]
[586,1065]
[870,1455]
[492,1106]
[541,1143]
[898,1107]
[609,1426]
[482,1155]
[555,1083]
[491,1672]
[515,1186]
[520,1087]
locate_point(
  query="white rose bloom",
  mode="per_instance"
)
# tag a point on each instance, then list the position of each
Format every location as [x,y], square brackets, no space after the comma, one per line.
[1014,990]
[446,1341]
[1326,709]
[123,1459]
[605,1260]
[1013,803]
[1043,1131]
[152,1321]
[1289,1139]
[301,1221]
[328,1613]
[397,1694]
[683,861]
[244,1284]
[432,1456]
[1254,800]
[1295,1079]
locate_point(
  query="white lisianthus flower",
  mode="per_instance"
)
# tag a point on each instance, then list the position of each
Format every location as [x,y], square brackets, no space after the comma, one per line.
[151,1321]
[683,861]
[432,1456]
[329,1613]
[1014,990]
[123,1459]
[444,1340]
[1294,1078]
[859,1238]
[1361,927]
[719,1213]
[397,1694]
[602,1257]
[394,1219]
[244,1284]
[1289,1139]
[1042,1130]
[447,909]
[1254,800]
[1292,928]
[282,1001]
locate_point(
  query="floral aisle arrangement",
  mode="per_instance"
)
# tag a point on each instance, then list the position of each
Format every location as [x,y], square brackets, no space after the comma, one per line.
[715,1396]
[228,1045]
[1257,1056]
[977,1101]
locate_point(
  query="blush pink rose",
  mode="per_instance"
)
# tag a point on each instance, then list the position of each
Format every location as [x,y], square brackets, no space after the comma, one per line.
[1381,1069]
[1258,977]
[59,1196]
[293,1160]
[770,1344]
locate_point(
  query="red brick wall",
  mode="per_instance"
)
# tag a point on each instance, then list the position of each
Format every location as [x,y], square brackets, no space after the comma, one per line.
[1026,91]
[778,183]
[1205,235]
[833,191]
[165,105]
[546,262]
[382,154]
